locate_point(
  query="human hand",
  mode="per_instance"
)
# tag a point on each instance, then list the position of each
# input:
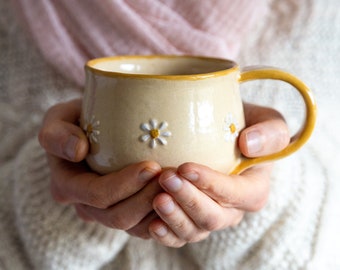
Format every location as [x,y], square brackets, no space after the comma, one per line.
[121,200]
[199,200]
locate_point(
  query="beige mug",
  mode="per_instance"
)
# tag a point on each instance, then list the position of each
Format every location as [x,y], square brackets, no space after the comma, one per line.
[174,109]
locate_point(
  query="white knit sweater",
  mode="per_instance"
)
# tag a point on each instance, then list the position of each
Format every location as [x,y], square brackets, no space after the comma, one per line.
[298,229]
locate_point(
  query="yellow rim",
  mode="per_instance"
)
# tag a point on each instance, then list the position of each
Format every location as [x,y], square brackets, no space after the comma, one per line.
[91,66]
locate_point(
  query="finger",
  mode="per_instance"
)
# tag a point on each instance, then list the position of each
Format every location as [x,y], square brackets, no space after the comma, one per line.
[127,213]
[60,134]
[266,133]
[195,206]
[248,191]
[175,227]
[176,219]
[141,230]
[173,231]
[81,213]
[163,235]
[74,183]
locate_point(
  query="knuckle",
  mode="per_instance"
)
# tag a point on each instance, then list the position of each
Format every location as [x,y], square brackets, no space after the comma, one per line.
[259,204]
[230,201]
[143,234]
[190,238]
[98,195]
[178,226]
[120,222]
[96,199]
[56,194]
[211,223]
[191,205]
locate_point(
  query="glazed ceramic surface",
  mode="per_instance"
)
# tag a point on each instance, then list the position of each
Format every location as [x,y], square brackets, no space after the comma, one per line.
[172,109]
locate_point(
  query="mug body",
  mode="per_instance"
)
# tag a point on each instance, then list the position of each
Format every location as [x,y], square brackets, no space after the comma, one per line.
[170,109]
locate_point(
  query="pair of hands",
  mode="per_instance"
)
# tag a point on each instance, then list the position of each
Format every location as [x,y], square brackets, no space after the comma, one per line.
[174,206]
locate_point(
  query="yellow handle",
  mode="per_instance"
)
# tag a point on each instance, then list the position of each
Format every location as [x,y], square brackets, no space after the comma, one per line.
[299,139]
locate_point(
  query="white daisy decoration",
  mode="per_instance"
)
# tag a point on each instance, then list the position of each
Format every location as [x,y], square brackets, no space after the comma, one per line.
[155,133]
[231,127]
[92,130]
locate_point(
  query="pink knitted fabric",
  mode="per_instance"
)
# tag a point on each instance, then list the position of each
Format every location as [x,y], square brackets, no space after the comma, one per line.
[69,32]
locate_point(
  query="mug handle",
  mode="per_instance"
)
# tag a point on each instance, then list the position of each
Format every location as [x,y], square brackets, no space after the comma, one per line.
[301,137]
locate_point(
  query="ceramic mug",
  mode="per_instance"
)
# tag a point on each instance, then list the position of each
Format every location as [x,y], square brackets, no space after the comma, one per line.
[174,109]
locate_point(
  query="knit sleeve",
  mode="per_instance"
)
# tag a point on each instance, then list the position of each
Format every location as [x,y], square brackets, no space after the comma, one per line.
[53,236]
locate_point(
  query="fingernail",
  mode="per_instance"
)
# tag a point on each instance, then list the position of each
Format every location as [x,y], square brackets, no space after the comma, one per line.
[161,231]
[173,183]
[70,147]
[191,176]
[254,142]
[167,207]
[147,174]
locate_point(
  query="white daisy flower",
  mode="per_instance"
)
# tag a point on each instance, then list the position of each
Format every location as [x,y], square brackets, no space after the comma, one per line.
[231,127]
[155,133]
[92,130]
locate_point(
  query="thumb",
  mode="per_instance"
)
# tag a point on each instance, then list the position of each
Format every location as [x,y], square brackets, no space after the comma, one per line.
[268,133]
[60,135]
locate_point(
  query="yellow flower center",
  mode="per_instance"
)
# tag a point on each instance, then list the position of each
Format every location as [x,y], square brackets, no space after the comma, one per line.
[232,128]
[154,133]
[89,129]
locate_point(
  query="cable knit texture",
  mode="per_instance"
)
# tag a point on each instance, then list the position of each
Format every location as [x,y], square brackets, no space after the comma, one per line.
[298,229]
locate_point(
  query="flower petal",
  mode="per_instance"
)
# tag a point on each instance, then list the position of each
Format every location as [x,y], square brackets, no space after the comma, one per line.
[166,134]
[96,132]
[145,127]
[153,123]
[93,138]
[153,143]
[96,124]
[162,140]
[163,125]
[144,137]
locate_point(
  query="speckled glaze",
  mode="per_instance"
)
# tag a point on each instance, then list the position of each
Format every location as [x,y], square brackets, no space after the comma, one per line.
[172,109]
